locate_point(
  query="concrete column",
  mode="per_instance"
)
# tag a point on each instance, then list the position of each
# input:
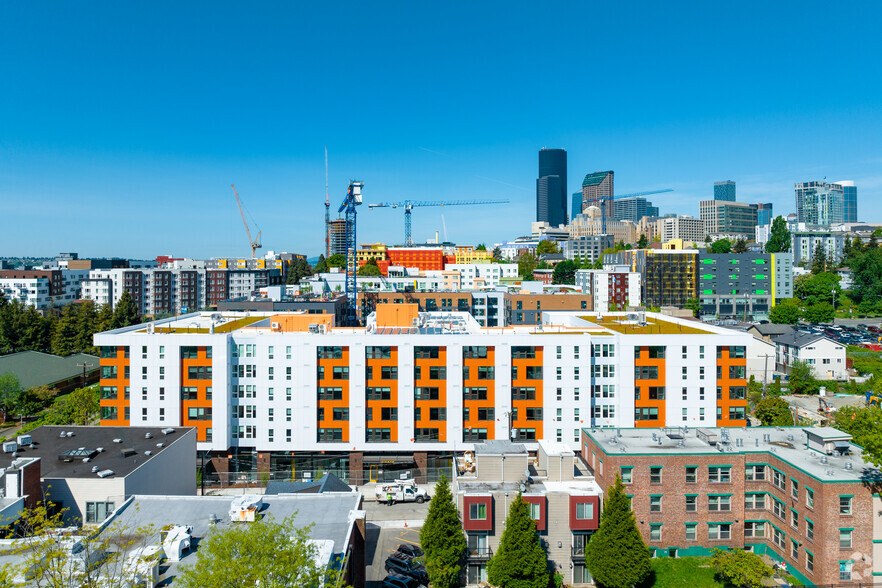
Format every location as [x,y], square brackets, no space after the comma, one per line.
[421,458]
[356,468]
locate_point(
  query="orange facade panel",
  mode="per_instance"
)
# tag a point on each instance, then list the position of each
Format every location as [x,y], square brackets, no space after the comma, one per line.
[196,390]
[527,392]
[332,381]
[649,386]
[479,393]
[731,387]
[114,387]
[381,390]
[430,394]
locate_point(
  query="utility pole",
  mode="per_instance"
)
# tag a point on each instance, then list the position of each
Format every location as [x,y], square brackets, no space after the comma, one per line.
[84,366]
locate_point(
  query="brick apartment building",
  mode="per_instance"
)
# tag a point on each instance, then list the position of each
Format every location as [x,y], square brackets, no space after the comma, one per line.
[801,496]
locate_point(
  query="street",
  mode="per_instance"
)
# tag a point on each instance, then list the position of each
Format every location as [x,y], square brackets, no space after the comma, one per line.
[387,528]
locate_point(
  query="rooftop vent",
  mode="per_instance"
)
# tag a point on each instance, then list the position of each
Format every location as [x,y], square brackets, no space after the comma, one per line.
[212,519]
[849,466]
[105,473]
[824,459]
[148,453]
[160,445]
[127,451]
[87,459]
[95,469]
[62,435]
[148,435]
[24,440]
[99,449]
[680,443]
[70,433]
[168,431]
[117,440]
[790,437]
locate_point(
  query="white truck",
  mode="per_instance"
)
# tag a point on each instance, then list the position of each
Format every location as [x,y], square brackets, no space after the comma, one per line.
[401,491]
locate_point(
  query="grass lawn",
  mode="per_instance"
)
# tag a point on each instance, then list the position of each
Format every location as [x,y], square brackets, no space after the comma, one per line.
[694,572]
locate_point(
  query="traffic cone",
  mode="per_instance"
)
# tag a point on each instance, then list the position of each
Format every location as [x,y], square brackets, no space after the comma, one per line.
[405,524]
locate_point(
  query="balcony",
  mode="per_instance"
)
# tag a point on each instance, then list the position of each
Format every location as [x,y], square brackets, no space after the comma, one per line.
[480,553]
[577,552]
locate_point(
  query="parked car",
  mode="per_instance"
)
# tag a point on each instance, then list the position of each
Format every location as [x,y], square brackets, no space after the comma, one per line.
[399,581]
[411,550]
[403,564]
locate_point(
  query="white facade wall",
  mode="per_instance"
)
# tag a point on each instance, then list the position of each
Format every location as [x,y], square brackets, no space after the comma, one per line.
[489,273]
[596,283]
[155,397]
[826,357]
[29,291]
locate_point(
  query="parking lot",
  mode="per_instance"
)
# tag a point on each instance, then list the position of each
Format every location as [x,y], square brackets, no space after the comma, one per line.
[857,333]
[387,528]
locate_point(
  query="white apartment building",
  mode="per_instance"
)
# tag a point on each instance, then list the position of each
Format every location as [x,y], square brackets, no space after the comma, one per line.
[42,289]
[687,228]
[613,288]
[416,383]
[826,356]
[478,276]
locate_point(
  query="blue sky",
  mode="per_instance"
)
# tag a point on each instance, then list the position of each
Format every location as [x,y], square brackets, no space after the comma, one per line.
[122,125]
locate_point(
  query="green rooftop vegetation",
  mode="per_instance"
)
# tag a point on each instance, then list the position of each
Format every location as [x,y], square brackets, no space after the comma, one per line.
[652,327]
[228,327]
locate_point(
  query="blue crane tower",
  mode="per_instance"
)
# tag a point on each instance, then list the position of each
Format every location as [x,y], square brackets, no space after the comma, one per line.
[409,205]
[353,199]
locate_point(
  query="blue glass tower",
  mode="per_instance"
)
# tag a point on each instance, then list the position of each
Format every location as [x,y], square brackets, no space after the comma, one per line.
[724,191]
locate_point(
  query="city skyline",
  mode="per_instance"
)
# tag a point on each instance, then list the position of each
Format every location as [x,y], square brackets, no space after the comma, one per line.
[128,123]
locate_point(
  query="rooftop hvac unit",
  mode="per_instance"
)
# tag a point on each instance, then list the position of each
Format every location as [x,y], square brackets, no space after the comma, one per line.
[105,473]
[148,435]
[168,431]
[275,326]
[9,446]
[117,440]
[24,440]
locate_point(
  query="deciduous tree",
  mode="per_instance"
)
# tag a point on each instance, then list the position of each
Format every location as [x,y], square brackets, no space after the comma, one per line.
[442,538]
[526,264]
[773,412]
[779,239]
[740,246]
[616,555]
[785,313]
[721,246]
[337,260]
[370,268]
[547,246]
[10,391]
[740,568]
[865,427]
[520,561]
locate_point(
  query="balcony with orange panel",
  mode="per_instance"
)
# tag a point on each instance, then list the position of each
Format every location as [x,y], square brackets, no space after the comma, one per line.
[430,394]
[527,392]
[731,386]
[196,390]
[332,382]
[381,391]
[479,393]
[649,386]
[113,384]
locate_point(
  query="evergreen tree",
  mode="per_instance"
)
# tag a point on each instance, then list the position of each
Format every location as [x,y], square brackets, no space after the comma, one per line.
[64,335]
[442,538]
[819,259]
[564,273]
[497,254]
[779,238]
[642,242]
[321,266]
[87,325]
[125,313]
[370,268]
[740,246]
[297,271]
[520,561]
[104,320]
[617,555]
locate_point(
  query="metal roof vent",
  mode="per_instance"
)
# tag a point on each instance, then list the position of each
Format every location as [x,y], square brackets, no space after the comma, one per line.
[148,453]
[105,473]
[680,443]
[87,459]
[100,449]
[790,437]
[168,431]
[117,440]
[32,446]
[95,469]
[62,435]
[70,433]
[148,435]
[849,466]
[212,519]
[824,459]
[160,445]
[14,454]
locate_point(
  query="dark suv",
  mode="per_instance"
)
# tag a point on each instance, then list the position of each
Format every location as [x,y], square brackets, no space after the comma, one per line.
[400,563]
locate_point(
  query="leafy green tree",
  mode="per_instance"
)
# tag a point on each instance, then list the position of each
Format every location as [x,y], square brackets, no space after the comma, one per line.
[265,553]
[126,313]
[617,556]
[297,271]
[80,407]
[520,561]
[785,313]
[10,391]
[442,538]
[337,260]
[526,264]
[867,269]
[740,568]
[547,246]
[564,273]
[814,288]
[321,266]
[822,312]
[754,392]
[721,246]
[370,268]
[779,239]
[740,246]
[865,427]
[802,379]
[642,242]
[694,305]
[773,412]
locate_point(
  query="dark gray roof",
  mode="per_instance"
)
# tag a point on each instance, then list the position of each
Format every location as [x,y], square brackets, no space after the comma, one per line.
[328,483]
[772,329]
[33,368]
[49,445]
[800,339]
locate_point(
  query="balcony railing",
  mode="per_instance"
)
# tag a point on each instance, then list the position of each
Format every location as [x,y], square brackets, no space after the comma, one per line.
[577,552]
[480,553]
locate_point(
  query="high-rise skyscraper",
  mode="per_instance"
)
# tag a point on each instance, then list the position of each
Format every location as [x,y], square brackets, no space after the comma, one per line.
[724,191]
[764,214]
[551,187]
[598,186]
[849,198]
[822,204]
[576,207]
[633,208]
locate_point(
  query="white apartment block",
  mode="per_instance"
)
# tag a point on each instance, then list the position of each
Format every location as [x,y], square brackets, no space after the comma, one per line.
[615,288]
[687,228]
[417,383]
[825,356]
[478,276]
[42,289]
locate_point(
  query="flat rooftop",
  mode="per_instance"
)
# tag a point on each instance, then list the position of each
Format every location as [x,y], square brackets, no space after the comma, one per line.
[650,326]
[328,513]
[85,442]
[787,443]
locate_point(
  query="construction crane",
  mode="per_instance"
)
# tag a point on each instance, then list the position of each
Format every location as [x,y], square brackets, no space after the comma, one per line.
[409,205]
[255,243]
[601,203]
[352,200]
[327,211]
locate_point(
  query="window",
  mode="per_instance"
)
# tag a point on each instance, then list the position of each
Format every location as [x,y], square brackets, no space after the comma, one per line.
[655,532]
[684,393]
[691,502]
[777,537]
[754,501]
[845,538]
[845,505]
[755,473]
[809,562]
[684,352]
[754,529]
[690,531]
[559,372]
[778,479]
[719,475]
[719,531]
[341,372]
[794,519]
[377,435]
[845,570]
[627,475]
[535,511]
[645,372]
[584,511]
[719,503]
[809,497]
[691,474]
[478,512]
[655,474]
[655,502]
[701,373]
[656,352]
[97,512]
[778,508]
[161,414]
[794,549]
[161,372]
[809,530]
[575,414]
